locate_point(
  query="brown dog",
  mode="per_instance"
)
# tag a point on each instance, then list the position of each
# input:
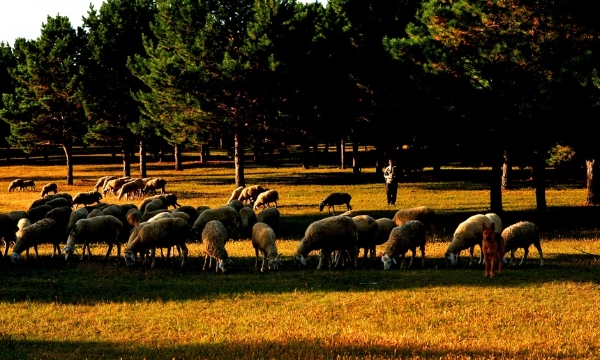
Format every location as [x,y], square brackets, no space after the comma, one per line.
[493,250]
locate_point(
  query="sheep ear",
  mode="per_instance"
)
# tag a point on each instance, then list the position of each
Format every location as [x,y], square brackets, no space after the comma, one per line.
[493,226]
[484,225]
[303,260]
[394,260]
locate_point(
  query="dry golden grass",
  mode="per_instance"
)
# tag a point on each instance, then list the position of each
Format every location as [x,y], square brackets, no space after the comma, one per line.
[96,309]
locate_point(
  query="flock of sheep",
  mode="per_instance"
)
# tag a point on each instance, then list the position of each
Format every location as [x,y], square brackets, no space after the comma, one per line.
[338,239]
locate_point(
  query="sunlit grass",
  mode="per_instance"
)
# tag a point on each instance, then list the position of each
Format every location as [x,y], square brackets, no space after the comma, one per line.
[95,309]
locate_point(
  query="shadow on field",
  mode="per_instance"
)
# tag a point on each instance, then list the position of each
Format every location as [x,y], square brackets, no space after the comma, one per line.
[293,349]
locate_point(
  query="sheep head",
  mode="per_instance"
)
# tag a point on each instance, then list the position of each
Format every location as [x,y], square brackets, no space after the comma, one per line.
[387,261]
[275,263]
[129,257]
[321,206]
[68,250]
[451,257]
[223,265]
[300,258]
[14,257]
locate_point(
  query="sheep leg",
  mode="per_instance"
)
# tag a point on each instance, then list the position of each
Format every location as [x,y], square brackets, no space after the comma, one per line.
[36,251]
[480,253]
[6,243]
[525,253]
[264,263]
[118,248]
[471,251]
[183,253]
[422,255]
[412,257]
[153,257]
[256,262]
[205,267]
[512,257]
[537,246]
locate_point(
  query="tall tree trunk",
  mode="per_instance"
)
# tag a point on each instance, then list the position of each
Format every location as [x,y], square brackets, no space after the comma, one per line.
[238,158]
[201,150]
[355,161]
[142,160]
[126,160]
[69,155]
[342,152]
[496,185]
[177,156]
[539,179]
[506,172]
[593,185]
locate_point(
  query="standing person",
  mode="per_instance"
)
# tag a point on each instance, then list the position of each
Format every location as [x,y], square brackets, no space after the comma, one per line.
[391,183]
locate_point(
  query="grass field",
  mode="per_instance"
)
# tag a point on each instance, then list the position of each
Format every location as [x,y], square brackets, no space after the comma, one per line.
[95,309]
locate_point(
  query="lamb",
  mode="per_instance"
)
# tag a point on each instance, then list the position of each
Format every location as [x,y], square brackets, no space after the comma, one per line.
[163,233]
[270,217]
[522,235]
[214,237]
[250,194]
[263,240]
[15,184]
[247,221]
[468,234]
[336,198]
[48,188]
[225,214]
[155,184]
[266,198]
[367,229]
[407,236]
[336,233]
[41,232]
[103,228]
[424,214]
[28,184]
[85,198]
[235,194]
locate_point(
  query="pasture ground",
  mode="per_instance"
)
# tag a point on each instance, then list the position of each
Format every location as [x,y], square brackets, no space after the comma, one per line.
[95,309]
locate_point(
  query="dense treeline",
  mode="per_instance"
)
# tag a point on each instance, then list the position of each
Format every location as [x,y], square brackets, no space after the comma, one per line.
[478,82]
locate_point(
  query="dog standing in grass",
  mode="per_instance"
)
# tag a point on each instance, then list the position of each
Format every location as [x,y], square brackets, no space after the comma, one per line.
[493,250]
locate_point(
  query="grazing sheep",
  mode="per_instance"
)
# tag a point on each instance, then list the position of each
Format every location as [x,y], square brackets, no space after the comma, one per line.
[468,234]
[102,181]
[98,229]
[61,215]
[496,220]
[266,198]
[492,249]
[85,198]
[250,194]
[270,217]
[37,213]
[201,208]
[154,184]
[59,202]
[366,228]
[113,186]
[424,214]
[48,188]
[407,236]
[42,232]
[225,214]
[236,204]
[163,233]
[48,198]
[15,184]
[94,213]
[235,194]
[130,189]
[74,217]
[384,228]
[336,198]
[214,237]
[28,184]
[336,233]
[154,205]
[247,221]
[150,214]
[8,226]
[522,235]
[190,211]
[133,217]
[263,240]
[167,199]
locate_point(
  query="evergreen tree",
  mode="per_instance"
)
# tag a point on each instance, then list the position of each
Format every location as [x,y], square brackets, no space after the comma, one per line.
[46,108]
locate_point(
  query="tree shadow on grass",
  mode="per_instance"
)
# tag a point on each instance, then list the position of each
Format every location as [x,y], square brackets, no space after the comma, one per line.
[291,349]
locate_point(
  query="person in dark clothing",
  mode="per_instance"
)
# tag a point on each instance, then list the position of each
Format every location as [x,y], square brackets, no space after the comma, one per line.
[391,183]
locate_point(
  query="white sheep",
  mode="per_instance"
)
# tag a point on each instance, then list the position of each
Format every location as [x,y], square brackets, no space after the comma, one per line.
[155,184]
[522,235]
[336,233]
[250,194]
[367,229]
[85,198]
[407,236]
[15,184]
[102,181]
[28,184]
[113,186]
[130,189]
[263,240]
[424,214]
[42,232]
[266,198]
[74,217]
[163,233]
[468,234]
[105,228]
[336,198]
[48,188]
[225,214]
[190,211]
[235,194]
[214,237]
